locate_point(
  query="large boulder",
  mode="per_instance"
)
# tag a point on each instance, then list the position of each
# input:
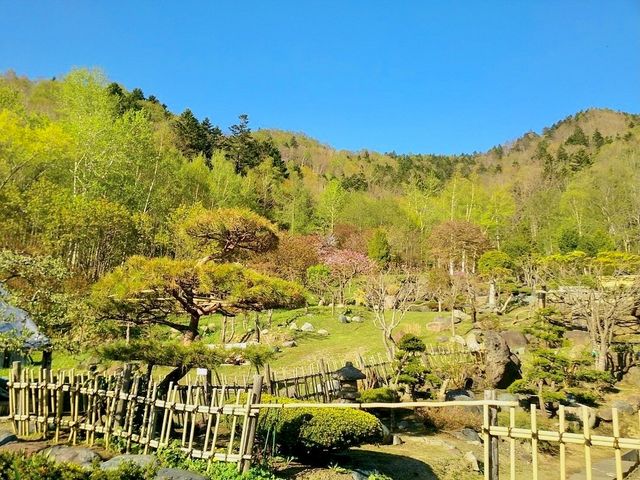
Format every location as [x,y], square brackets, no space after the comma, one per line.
[633,376]
[501,367]
[178,474]
[77,455]
[516,341]
[139,460]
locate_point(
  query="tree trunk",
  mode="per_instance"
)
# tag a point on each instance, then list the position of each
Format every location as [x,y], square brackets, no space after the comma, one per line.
[601,359]
[174,376]
[192,333]
[492,294]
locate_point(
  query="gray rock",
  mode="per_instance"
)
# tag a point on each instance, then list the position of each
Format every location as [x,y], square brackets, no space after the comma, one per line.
[293,326]
[289,344]
[403,425]
[357,319]
[77,455]
[515,340]
[307,327]
[343,319]
[177,474]
[575,414]
[458,395]
[361,474]
[140,460]
[501,367]
[323,332]
[397,440]
[472,342]
[604,414]
[469,435]
[623,407]
[472,461]
[7,437]
[387,438]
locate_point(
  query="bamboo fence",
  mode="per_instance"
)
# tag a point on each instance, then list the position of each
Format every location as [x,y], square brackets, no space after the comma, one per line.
[208,423]
[211,423]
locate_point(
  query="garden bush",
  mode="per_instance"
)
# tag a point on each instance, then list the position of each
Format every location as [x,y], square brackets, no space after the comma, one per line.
[18,466]
[450,418]
[379,395]
[311,431]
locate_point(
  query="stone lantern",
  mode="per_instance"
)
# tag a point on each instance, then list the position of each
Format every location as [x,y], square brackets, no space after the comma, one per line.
[348,377]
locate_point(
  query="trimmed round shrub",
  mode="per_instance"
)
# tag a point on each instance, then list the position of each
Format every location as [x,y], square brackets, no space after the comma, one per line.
[379,395]
[306,432]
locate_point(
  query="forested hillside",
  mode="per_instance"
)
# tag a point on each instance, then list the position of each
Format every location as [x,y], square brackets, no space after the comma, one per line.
[92,173]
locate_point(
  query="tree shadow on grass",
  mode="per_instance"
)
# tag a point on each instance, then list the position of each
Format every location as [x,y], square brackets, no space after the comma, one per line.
[398,467]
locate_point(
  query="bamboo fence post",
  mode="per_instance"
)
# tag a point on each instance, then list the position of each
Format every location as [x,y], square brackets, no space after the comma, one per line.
[14,396]
[616,446]
[250,425]
[59,404]
[534,442]
[151,426]
[563,446]
[490,419]
[512,443]
[587,442]
[185,416]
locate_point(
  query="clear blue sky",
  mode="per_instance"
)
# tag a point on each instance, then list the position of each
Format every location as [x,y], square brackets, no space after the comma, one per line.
[411,76]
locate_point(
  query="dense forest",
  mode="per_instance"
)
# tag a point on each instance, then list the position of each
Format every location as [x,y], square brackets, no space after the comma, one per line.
[93,173]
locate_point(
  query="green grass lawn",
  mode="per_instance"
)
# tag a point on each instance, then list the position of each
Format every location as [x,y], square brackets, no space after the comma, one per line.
[344,342]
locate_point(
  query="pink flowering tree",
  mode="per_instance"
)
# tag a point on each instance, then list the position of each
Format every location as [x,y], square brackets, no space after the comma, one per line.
[344,266]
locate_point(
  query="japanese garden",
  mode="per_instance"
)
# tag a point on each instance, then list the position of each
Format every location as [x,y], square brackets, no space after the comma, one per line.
[185,299]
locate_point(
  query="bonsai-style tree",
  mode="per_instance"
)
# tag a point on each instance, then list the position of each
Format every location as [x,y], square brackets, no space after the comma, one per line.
[410,370]
[178,293]
[553,373]
[222,235]
[161,291]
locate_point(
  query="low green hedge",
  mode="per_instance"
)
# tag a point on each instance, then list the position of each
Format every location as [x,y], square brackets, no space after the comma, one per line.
[311,431]
[18,466]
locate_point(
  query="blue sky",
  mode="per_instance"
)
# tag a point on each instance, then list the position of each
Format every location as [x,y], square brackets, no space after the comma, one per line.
[410,76]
